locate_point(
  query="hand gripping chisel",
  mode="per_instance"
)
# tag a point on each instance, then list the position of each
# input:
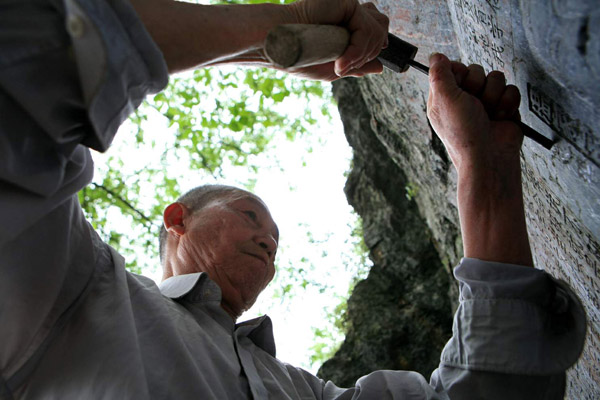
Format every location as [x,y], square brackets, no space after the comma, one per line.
[304,45]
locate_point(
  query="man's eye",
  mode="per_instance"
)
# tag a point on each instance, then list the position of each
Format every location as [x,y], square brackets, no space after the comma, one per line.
[251,214]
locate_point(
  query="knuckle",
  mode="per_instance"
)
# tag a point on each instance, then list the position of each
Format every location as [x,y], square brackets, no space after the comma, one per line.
[513,91]
[436,70]
[476,68]
[497,76]
[384,21]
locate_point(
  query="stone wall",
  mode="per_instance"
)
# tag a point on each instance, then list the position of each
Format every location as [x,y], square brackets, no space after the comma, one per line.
[551,51]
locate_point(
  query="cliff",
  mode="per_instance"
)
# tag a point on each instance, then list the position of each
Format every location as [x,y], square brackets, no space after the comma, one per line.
[403,185]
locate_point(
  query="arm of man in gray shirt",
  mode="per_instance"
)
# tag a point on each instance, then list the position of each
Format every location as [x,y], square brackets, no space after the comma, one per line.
[70,73]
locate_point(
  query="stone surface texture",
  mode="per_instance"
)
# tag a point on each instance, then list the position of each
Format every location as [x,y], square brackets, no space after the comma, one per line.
[401,315]
[551,51]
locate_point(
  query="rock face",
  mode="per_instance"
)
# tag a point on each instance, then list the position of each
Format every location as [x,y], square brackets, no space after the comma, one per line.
[551,51]
[400,317]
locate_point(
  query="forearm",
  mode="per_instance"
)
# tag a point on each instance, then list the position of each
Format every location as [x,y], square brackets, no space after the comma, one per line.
[193,35]
[492,214]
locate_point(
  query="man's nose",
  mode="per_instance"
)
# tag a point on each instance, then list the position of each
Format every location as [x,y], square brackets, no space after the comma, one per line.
[268,243]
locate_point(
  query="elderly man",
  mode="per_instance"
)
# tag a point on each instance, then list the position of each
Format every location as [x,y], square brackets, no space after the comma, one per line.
[227,233]
[76,325]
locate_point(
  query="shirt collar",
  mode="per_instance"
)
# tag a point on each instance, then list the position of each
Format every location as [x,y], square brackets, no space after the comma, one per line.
[196,287]
[199,288]
[260,331]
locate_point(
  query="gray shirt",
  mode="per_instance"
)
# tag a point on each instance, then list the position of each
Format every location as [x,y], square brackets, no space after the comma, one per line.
[75,324]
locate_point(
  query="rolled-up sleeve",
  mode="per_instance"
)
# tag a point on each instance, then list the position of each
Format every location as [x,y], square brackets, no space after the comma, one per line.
[117,60]
[515,333]
[70,73]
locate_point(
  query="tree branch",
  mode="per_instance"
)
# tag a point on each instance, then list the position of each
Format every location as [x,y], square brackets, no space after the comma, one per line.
[125,202]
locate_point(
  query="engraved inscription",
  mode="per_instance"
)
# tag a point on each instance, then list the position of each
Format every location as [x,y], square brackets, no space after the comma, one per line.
[494,4]
[572,129]
[480,23]
[566,249]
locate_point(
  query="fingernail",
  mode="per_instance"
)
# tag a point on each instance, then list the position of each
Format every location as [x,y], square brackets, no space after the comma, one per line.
[342,73]
[346,70]
[339,72]
[434,57]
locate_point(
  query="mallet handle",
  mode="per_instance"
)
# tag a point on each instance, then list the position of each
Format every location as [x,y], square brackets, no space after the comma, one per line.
[298,45]
[302,45]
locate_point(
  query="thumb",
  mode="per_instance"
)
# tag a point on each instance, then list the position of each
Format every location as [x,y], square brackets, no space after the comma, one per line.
[441,78]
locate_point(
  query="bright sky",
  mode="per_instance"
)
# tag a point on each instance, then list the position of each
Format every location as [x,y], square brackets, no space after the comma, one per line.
[318,201]
[304,191]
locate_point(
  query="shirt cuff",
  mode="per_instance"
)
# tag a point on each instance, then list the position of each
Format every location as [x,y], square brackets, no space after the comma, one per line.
[118,63]
[514,319]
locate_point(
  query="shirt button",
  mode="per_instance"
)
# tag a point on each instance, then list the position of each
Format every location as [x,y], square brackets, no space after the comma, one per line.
[75,26]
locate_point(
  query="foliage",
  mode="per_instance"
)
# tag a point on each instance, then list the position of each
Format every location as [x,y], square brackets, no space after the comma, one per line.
[411,190]
[211,120]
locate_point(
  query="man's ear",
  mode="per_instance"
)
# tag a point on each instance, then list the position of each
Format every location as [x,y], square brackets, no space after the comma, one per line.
[173,218]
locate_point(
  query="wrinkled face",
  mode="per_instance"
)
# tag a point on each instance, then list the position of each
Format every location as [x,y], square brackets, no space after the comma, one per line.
[234,240]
